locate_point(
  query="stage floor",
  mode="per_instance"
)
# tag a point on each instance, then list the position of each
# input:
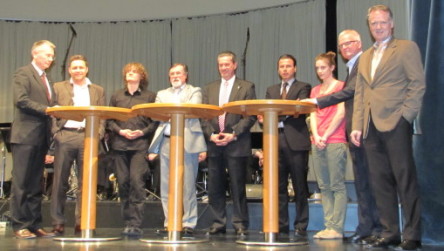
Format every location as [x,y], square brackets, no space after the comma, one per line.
[217,243]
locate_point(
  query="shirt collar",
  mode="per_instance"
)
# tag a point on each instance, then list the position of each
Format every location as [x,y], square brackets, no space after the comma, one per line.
[87,81]
[352,61]
[39,71]
[289,82]
[384,43]
[230,81]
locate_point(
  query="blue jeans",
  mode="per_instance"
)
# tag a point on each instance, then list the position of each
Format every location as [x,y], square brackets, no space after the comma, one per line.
[329,168]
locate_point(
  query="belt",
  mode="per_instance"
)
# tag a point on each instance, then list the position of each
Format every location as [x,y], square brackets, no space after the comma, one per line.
[79,130]
[166,136]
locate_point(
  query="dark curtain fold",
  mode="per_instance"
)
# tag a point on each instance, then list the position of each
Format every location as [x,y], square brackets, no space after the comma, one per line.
[428,32]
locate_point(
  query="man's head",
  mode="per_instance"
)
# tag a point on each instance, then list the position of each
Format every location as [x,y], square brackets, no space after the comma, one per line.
[178,75]
[226,63]
[287,67]
[42,53]
[349,43]
[135,73]
[380,21]
[78,68]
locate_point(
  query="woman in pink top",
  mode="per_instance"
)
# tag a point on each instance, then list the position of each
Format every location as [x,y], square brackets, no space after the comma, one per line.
[329,149]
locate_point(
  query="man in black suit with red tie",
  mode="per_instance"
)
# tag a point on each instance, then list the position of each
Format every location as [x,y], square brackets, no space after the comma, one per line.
[229,146]
[294,144]
[30,135]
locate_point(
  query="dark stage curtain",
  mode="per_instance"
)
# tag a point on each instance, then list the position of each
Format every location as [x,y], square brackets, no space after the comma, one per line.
[428,32]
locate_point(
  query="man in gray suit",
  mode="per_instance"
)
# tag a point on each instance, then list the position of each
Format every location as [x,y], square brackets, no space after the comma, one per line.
[30,134]
[69,136]
[229,145]
[389,89]
[194,146]
[349,43]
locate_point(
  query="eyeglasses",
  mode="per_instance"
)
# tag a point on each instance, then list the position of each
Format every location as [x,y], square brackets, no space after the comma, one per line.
[346,44]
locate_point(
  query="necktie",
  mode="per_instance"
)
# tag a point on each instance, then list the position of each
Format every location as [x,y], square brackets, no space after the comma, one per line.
[224,99]
[48,94]
[284,90]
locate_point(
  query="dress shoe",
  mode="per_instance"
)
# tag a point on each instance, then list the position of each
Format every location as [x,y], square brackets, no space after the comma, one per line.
[409,245]
[384,243]
[58,229]
[135,232]
[162,231]
[187,232]
[241,232]
[368,240]
[77,230]
[355,238]
[42,233]
[24,234]
[214,231]
[300,235]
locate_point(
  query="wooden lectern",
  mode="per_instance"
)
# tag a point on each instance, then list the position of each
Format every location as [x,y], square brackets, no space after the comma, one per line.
[176,113]
[270,109]
[93,115]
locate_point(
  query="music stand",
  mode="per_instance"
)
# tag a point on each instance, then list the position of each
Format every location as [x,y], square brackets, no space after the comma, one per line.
[270,109]
[92,115]
[177,114]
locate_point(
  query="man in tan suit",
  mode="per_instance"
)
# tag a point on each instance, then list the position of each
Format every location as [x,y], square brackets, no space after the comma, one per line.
[389,90]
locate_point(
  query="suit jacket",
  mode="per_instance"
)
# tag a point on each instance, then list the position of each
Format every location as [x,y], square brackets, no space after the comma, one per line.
[345,95]
[242,90]
[64,92]
[194,141]
[31,125]
[295,129]
[395,91]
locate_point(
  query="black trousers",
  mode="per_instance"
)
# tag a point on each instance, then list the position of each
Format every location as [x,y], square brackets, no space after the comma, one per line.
[295,164]
[26,190]
[217,185]
[131,169]
[393,176]
[368,217]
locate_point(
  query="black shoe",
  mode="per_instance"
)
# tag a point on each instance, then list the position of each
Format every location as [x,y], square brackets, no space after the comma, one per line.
[162,231]
[300,235]
[355,238]
[368,240]
[241,232]
[409,245]
[187,232]
[384,243]
[214,231]
[135,232]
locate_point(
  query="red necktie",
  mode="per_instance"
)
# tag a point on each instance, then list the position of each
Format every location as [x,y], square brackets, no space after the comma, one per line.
[43,76]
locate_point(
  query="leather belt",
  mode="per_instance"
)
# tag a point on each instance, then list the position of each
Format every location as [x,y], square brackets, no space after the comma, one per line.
[79,130]
[166,136]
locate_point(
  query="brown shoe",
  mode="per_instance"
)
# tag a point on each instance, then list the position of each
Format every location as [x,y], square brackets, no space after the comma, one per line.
[24,234]
[58,229]
[43,234]
[77,230]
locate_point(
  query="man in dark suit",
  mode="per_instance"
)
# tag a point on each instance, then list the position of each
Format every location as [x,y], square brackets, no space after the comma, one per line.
[294,144]
[69,137]
[229,146]
[389,89]
[30,135]
[349,42]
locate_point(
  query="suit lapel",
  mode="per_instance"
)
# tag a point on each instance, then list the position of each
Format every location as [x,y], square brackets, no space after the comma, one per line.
[234,91]
[385,58]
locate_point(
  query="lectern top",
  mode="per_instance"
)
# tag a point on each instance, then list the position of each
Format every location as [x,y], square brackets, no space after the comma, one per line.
[259,106]
[78,113]
[163,111]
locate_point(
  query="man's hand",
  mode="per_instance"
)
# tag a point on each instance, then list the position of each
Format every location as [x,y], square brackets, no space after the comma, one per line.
[151,156]
[355,137]
[222,139]
[202,156]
